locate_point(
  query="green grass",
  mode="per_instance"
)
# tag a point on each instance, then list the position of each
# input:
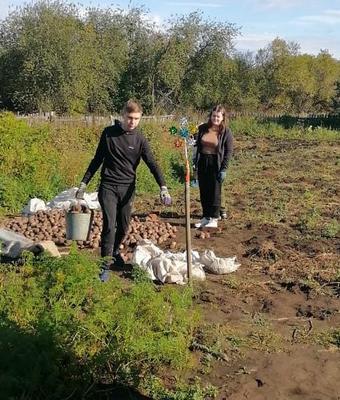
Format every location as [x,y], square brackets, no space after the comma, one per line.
[256,128]
[63,329]
[329,337]
[194,391]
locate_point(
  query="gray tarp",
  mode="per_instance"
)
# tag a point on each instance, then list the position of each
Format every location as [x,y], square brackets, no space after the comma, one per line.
[12,244]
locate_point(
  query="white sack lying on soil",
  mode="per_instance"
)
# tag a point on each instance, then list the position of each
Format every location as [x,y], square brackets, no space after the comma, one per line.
[218,265]
[13,244]
[168,267]
[62,201]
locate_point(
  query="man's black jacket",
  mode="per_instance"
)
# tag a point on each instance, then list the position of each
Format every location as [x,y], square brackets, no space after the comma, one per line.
[120,153]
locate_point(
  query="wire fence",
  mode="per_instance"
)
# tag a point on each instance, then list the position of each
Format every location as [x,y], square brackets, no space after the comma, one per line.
[330,121]
[86,120]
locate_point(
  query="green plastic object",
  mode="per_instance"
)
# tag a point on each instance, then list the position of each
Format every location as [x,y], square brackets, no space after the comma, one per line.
[78,225]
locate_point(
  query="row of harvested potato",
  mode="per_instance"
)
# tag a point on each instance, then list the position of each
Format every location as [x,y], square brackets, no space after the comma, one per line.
[50,225]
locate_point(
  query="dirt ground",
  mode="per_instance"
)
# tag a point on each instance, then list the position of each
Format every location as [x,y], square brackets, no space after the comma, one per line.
[267,321]
[271,330]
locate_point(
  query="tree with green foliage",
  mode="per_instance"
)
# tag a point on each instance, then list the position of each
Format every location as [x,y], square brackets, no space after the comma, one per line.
[205,79]
[138,79]
[52,59]
[243,92]
[336,99]
[275,73]
[291,82]
[54,56]
[326,71]
[39,43]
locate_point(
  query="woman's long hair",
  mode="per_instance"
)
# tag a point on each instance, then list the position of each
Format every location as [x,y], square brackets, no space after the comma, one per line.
[224,123]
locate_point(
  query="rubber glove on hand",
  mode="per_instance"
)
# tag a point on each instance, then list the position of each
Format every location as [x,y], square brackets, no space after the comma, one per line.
[81,191]
[165,196]
[221,176]
[194,183]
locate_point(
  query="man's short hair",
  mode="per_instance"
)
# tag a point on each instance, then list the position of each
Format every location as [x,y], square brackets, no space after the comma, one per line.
[132,106]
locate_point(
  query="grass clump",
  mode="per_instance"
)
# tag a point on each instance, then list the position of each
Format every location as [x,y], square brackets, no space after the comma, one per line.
[330,337]
[193,391]
[331,229]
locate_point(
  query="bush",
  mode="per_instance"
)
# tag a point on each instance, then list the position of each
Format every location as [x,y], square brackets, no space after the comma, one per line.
[255,127]
[28,165]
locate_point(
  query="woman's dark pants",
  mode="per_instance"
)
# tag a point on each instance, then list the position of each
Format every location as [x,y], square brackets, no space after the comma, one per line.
[210,188]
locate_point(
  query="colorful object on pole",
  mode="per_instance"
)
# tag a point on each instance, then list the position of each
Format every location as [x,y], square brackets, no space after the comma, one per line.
[183,122]
[192,128]
[184,133]
[178,143]
[173,130]
[184,129]
[183,140]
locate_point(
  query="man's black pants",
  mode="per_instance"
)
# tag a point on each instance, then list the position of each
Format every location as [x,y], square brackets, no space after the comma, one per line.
[116,203]
[210,188]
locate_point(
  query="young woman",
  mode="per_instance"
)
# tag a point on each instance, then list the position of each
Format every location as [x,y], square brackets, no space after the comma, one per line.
[214,151]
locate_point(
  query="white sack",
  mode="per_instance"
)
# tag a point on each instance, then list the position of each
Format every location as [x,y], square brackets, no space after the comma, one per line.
[143,253]
[218,265]
[62,201]
[65,199]
[12,244]
[168,267]
[33,206]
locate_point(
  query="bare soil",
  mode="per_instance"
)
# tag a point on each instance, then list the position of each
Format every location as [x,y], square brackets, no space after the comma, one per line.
[275,315]
[271,330]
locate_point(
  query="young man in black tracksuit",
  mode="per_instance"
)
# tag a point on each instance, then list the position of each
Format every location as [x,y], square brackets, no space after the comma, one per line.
[120,149]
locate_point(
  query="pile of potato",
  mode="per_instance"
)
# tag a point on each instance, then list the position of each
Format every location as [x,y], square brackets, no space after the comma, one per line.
[153,229]
[40,226]
[203,235]
[50,225]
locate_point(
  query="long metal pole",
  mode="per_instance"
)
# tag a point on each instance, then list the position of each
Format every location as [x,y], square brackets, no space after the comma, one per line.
[187,213]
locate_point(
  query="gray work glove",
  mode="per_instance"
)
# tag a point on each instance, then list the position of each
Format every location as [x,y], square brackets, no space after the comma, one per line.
[165,196]
[221,175]
[81,191]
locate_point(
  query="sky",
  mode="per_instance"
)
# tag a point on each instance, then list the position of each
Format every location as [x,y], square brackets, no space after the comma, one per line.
[313,24]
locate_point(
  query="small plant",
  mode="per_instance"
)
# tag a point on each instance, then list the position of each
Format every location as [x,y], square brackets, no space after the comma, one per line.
[331,230]
[264,338]
[309,220]
[232,282]
[329,337]
[182,391]
[139,275]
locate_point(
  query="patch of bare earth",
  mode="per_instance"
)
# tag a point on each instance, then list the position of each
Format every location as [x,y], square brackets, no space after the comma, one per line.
[271,330]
